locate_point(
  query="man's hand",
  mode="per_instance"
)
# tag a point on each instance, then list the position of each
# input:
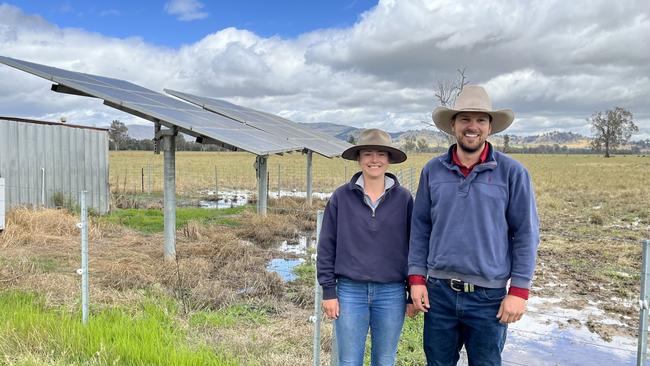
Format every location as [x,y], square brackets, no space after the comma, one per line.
[512,309]
[331,308]
[411,311]
[420,297]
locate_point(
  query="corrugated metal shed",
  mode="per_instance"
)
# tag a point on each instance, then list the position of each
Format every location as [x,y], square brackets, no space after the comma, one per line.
[46,162]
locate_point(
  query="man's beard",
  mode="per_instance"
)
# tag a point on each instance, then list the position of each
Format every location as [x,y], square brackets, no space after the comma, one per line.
[470,149]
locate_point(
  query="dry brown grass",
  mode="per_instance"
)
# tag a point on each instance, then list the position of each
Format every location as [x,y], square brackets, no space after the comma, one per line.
[304,216]
[25,226]
[214,267]
[268,230]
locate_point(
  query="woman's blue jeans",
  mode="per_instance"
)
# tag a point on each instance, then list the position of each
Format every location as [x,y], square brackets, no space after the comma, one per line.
[363,305]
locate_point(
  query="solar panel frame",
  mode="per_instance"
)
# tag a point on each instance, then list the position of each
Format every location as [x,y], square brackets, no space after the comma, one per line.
[158,107]
[313,140]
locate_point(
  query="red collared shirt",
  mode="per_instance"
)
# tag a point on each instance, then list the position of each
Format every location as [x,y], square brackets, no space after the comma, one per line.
[420,280]
[466,170]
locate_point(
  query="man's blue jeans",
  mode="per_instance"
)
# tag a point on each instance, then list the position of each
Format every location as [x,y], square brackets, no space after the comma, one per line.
[363,305]
[463,318]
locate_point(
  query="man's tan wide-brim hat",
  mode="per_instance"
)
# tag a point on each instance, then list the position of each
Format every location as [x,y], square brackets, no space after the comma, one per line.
[374,139]
[473,98]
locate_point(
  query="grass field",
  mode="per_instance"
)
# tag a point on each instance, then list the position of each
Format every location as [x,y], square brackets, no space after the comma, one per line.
[218,305]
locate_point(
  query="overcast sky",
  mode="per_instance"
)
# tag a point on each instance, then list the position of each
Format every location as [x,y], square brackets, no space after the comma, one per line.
[357,63]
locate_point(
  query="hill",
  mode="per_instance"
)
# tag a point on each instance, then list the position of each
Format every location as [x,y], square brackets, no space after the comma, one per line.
[436,138]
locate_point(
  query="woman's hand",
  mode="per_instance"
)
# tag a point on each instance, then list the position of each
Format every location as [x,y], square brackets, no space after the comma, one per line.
[331,308]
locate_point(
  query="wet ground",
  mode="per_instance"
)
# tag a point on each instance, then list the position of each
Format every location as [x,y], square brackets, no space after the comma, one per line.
[552,335]
[227,199]
[284,266]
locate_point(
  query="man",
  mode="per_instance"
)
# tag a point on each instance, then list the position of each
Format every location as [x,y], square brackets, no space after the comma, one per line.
[474,230]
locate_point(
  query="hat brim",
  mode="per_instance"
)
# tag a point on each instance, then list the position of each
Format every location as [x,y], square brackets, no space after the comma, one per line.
[396,155]
[501,119]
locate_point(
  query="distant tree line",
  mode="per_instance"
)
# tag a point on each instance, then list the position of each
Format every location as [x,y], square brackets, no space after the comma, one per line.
[119,139]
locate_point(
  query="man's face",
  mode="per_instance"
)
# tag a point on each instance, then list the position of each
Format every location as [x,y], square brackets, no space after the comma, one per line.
[471,129]
[374,163]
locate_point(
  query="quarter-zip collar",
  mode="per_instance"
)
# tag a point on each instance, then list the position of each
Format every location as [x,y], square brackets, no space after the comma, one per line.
[489,164]
[357,184]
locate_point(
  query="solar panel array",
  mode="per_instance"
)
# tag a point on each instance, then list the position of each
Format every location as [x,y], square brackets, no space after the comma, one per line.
[313,140]
[161,108]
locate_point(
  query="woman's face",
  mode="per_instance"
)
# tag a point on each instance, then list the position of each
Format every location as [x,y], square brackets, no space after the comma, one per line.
[373,163]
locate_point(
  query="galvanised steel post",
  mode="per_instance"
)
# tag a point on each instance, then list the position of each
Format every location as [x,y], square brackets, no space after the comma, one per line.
[84,259]
[169,142]
[262,182]
[279,172]
[643,303]
[310,175]
[318,295]
[334,354]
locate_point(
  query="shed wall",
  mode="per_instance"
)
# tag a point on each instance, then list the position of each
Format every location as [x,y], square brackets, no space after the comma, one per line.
[44,163]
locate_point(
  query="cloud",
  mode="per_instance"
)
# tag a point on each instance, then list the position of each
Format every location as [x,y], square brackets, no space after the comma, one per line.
[553,62]
[186,10]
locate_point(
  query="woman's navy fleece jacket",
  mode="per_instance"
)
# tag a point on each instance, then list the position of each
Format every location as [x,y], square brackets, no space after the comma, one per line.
[361,246]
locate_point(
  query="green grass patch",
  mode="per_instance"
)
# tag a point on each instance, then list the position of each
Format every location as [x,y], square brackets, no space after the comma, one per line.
[32,334]
[152,220]
[305,271]
[229,317]
[409,349]
[44,264]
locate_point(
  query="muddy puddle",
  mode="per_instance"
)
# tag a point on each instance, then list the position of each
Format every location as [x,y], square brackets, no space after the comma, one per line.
[284,266]
[550,335]
[225,200]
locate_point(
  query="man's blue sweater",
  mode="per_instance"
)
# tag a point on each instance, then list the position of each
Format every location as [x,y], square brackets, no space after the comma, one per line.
[482,229]
[360,244]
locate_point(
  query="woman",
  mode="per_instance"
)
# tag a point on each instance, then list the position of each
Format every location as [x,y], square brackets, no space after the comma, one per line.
[362,254]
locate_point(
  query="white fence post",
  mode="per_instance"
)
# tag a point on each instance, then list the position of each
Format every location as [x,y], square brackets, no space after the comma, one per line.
[643,303]
[84,259]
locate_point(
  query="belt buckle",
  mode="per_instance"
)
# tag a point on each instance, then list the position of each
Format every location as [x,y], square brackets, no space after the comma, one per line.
[460,285]
[453,282]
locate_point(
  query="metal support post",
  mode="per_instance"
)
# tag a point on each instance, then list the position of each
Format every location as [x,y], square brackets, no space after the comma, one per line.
[262,184]
[169,146]
[642,350]
[84,259]
[318,295]
[310,175]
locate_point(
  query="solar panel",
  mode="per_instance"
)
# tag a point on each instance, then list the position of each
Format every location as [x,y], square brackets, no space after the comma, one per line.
[313,140]
[162,108]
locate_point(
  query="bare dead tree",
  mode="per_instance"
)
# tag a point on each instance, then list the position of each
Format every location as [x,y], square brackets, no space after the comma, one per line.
[446,91]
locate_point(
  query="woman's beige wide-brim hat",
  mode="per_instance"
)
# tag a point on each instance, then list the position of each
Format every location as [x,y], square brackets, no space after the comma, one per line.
[473,98]
[374,139]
